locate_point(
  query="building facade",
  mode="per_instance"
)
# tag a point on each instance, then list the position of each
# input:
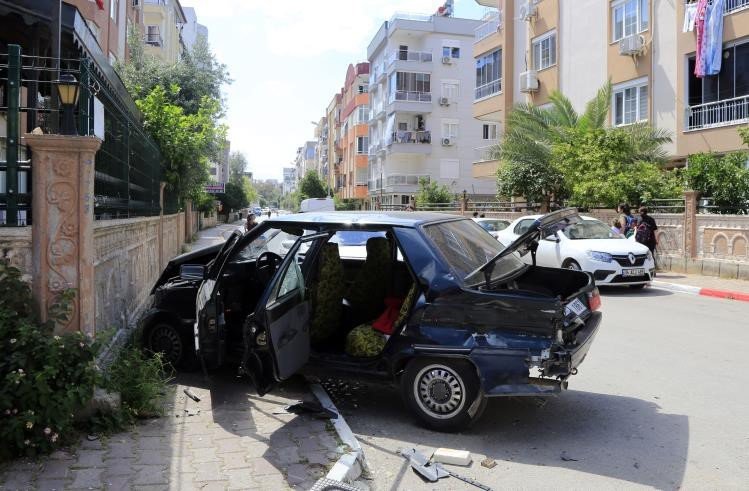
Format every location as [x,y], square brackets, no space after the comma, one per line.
[192,30]
[646,49]
[335,153]
[421,125]
[164,21]
[111,24]
[306,159]
[289,180]
[354,134]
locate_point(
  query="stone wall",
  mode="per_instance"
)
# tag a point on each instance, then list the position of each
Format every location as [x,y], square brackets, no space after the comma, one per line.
[15,247]
[208,221]
[129,257]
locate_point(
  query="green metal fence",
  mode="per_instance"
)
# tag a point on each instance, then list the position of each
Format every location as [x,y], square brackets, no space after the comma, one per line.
[128,164]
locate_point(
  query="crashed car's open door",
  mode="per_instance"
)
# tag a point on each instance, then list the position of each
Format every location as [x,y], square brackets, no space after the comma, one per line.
[277,336]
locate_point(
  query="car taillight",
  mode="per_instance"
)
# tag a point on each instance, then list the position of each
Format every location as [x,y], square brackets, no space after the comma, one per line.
[594,300]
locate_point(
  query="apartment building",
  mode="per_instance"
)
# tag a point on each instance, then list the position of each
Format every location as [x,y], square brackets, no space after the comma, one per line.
[321,149]
[335,157]
[110,25]
[192,30]
[525,49]
[289,180]
[421,90]
[354,134]
[306,158]
[218,170]
[164,20]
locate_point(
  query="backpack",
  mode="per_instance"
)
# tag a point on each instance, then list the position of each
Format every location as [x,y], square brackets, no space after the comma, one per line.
[644,233]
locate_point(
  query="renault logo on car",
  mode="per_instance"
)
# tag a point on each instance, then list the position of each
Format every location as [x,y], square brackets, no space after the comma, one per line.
[631,258]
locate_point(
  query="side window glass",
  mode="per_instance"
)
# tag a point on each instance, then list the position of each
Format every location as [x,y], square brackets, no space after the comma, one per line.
[292,279]
[523,226]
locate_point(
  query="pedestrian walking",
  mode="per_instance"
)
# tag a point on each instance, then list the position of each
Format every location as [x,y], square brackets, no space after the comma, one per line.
[616,227]
[250,224]
[627,221]
[645,232]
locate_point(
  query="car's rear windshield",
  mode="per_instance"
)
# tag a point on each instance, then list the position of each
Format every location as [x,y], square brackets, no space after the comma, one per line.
[590,229]
[466,247]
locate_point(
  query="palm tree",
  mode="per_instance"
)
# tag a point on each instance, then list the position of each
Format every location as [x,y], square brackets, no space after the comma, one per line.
[531,132]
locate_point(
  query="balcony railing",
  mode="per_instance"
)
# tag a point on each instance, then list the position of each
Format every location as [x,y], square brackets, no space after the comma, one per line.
[494,87]
[410,16]
[484,154]
[403,55]
[411,96]
[716,114]
[419,137]
[730,6]
[487,28]
[153,39]
[404,180]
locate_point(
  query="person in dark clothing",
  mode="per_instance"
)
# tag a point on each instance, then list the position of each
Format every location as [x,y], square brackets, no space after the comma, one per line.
[250,224]
[645,233]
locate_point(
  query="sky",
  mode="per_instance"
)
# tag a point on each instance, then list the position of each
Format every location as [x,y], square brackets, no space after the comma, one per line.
[287,59]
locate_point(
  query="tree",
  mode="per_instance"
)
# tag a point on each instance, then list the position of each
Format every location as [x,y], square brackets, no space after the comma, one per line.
[744,134]
[311,186]
[527,150]
[237,166]
[598,170]
[723,178]
[233,197]
[185,140]
[431,192]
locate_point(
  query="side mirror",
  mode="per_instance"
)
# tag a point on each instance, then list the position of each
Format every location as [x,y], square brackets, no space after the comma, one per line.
[192,272]
[553,238]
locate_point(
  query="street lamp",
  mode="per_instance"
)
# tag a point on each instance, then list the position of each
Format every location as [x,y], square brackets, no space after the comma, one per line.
[67,90]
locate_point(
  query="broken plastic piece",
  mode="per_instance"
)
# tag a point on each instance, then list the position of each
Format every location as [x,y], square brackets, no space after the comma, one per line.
[489,463]
[312,408]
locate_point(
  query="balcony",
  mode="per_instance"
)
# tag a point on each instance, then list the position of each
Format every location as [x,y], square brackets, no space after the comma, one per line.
[409,57]
[718,114]
[410,96]
[485,163]
[489,27]
[484,154]
[487,90]
[404,182]
[153,39]
[731,6]
[410,142]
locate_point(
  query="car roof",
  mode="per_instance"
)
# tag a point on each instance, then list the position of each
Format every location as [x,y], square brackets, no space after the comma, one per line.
[392,218]
[533,217]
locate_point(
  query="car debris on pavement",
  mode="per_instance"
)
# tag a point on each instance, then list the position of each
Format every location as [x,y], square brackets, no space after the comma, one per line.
[434,471]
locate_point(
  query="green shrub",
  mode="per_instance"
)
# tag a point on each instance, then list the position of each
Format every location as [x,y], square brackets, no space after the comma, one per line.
[721,177]
[141,381]
[44,378]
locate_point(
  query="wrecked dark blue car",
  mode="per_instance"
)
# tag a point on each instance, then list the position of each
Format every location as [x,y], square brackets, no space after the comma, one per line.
[431,302]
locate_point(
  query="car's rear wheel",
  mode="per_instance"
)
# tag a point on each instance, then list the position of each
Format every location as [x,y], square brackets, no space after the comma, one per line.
[572,264]
[444,394]
[175,349]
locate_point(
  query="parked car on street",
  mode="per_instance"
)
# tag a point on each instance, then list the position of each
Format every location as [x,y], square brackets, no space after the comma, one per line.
[431,302]
[492,225]
[590,246]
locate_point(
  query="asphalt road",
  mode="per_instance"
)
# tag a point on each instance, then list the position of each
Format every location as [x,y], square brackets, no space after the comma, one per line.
[660,402]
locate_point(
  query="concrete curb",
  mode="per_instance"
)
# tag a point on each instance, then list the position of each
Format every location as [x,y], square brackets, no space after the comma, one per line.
[351,465]
[705,292]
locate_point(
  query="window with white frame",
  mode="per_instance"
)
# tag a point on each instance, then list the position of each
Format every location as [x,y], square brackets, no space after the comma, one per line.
[450,52]
[488,74]
[449,168]
[361,175]
[629,17]
[362,144]
[490,131]
[450,128]
[545,50]
[362,115]
[363,88]
[451,89]
[630,103]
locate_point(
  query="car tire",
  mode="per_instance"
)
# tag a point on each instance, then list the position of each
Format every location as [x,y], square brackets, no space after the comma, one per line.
[637,287]
[458,401]
[572,264]
[175,348]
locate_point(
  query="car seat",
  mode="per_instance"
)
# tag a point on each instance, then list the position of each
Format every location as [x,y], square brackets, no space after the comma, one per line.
[327,294]
[365,341]
[372,281]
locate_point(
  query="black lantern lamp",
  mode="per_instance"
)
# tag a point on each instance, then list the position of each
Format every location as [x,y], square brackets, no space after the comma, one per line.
[67,90]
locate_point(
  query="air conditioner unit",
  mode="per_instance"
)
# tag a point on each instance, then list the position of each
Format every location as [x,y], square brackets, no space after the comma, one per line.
[447,142]
[444,101]
[527,10]
[631,45]
[529,81]
[446,60]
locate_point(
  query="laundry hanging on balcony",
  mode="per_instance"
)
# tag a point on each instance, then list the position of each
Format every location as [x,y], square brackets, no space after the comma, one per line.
[699,29]
[713,42]
[690,16]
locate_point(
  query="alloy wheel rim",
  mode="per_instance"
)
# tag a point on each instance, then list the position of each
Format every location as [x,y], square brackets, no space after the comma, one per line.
[439,391]
[164,339]
[573,266]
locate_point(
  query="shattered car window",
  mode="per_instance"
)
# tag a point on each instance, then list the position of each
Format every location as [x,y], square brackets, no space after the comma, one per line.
[273,240]
[466,248]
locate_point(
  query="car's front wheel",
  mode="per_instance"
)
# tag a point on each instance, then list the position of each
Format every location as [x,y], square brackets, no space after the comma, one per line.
[165,339]
[444,394]
[573,265]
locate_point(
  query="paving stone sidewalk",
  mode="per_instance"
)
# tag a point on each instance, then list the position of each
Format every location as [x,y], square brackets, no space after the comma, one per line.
[231,439]
[701,281]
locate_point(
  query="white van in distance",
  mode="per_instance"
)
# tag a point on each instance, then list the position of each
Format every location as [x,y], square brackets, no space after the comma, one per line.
[317,204]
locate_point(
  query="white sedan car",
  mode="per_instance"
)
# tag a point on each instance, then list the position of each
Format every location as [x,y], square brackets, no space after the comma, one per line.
[492,225]
[589,246]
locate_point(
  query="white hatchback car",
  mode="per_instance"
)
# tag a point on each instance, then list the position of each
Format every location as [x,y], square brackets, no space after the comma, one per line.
[589,246]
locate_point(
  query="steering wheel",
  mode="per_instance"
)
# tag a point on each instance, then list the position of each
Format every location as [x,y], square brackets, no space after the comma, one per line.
[266,265]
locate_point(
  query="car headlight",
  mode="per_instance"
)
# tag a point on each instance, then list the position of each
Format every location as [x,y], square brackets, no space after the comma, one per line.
[603,257]
[650,256]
